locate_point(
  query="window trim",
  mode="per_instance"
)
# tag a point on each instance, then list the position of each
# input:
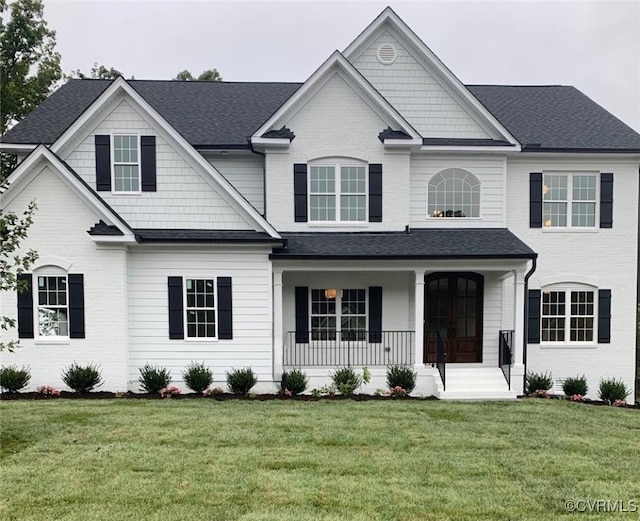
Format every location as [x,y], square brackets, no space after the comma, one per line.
[338,315]
[453,219]
[48,271]
[185,310]
[569,227]
[568,289]
[112,147]
[337,165]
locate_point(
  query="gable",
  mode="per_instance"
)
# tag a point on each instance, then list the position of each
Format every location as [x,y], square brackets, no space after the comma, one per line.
[184,197]
[416,93]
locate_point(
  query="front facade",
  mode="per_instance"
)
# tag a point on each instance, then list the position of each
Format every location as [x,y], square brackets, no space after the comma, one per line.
[380,213]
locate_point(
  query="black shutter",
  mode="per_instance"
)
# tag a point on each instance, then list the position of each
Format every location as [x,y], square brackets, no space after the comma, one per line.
[300,192]
[76,305]
[606,200]
[103,163]
[25,307]
[533,322]
[148,163]
[535,200]
[302,315]
[604,316]
[176,318]
[375,193]
[225,309]
[375,314]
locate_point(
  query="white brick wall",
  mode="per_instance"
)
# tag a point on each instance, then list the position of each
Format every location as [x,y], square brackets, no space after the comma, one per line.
[336,123]
[607,256]
[183,198]
[416,93]
[489,170]
[60,230]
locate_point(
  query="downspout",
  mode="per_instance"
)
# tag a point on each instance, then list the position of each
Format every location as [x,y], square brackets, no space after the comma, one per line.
[264,176]
[526,320]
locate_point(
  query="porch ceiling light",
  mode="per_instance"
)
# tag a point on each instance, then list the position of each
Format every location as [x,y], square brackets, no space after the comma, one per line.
[545,189]
[330,293]
[547,223]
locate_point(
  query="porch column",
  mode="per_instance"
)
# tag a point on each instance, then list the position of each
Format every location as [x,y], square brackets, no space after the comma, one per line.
[419,319]
[278,345]
[517,369]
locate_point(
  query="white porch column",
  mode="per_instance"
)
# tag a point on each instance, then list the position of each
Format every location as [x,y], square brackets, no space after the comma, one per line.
[419,319]
[517,370]
[278,345]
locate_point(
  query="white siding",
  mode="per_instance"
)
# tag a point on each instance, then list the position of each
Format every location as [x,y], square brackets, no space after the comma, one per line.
[245,173]
[605,256]
[184,199]
[251,345]
[490,172]
[416,93]
[60,230]
[337,122]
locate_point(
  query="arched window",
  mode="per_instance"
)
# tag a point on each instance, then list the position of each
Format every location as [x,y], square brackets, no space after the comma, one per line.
[453,192]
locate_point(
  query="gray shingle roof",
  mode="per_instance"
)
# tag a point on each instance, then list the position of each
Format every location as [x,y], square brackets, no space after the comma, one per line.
[555,117]
[434,243]
[222,114]
[188,235]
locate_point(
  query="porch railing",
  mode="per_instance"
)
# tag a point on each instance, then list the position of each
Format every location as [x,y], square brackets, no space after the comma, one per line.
[505,341]
[441,359]
[346,348]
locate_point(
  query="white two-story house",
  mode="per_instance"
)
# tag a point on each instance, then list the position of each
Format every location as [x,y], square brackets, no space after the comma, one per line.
[379,213]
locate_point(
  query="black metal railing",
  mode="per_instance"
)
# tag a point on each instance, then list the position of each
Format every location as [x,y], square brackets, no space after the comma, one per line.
[505,355]
[346,348]
[441,359]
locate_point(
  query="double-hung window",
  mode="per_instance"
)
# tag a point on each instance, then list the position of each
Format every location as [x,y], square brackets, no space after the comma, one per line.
[569,200]
[126,163]
[568,315]
[53,307]
[200,308]
[338,314]
[338,193]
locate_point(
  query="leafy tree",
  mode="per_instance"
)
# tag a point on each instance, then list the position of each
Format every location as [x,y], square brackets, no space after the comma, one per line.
[13,230]
[29,65]
[99,72]
[208,75]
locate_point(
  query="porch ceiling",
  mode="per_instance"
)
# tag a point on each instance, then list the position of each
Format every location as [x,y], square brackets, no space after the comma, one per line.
[433,243]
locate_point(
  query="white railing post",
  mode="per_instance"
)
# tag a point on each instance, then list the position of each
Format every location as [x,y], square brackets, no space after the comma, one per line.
[278,344]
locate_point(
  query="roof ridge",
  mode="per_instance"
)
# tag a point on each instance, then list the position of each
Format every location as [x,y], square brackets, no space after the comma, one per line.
[516,86]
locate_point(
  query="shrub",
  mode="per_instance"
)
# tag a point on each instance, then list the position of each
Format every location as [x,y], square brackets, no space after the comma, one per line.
[538,382]
[401,376]
[197,377]
[169,391]
[213,392]
[153,378]
[611,390]
[240,381]
[347,381]
[575,385]
[47,390]
[13,379]
[295,381]
[82,379]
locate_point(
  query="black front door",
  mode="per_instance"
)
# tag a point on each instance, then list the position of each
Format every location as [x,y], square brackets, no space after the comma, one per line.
[453,308]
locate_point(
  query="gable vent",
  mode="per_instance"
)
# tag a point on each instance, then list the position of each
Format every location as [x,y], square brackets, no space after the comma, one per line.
[386,54]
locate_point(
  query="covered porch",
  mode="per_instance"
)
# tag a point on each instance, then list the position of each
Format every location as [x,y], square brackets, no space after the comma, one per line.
[457,317]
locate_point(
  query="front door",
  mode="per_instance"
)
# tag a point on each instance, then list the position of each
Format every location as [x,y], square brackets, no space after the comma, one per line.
[453,308]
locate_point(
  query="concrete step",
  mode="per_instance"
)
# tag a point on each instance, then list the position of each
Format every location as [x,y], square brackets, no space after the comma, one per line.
[474,383]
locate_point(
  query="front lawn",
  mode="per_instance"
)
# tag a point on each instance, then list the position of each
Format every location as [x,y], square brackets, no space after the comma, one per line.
[193,460]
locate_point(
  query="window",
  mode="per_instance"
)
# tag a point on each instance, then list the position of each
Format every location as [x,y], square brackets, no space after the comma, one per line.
[453,192]
[569,200]
[338,199]
[126,163]
[53,310]
[330,307]
[568,316]
[201,308]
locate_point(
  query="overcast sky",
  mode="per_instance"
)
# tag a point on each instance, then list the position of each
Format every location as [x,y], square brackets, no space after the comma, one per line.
[593,45]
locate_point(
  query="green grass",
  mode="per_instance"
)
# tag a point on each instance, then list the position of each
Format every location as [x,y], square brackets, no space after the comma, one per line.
[285,460]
